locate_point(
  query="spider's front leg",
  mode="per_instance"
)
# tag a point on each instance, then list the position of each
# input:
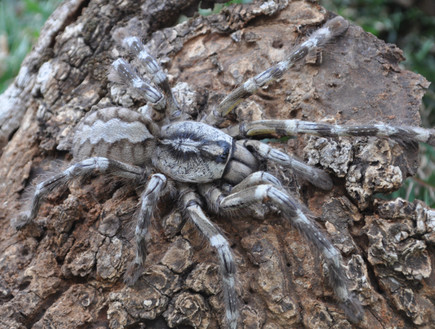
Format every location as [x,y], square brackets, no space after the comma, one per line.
[403,134]
[331,30]
[290,209]
[315,176]
[96,165]
[192,209]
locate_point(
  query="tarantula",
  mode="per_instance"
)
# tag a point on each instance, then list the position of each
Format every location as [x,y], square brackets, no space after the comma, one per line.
[208,166]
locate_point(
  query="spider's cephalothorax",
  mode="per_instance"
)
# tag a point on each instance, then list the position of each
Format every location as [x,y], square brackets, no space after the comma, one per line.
[198,159]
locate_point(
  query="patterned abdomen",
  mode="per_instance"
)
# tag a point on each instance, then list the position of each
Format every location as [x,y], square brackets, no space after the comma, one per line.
[115,133]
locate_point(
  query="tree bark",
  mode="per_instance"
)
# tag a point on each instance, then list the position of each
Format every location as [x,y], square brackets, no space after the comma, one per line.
[67,272]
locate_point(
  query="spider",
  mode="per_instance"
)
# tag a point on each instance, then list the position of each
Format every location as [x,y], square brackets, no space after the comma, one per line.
[205,166]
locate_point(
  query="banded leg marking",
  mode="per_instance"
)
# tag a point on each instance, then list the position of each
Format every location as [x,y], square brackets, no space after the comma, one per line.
[293,127]
[122,72]
[315,176]
[292,212]
[226,259]
[96,165]
[332,29]
[148,199]
[256,178]
[153,69]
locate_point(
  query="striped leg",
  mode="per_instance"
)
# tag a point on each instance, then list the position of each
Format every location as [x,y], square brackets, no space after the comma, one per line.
[219,242]
[151,66]
[332,29]
[149,199]
[122,72]
[292,212]
[315,176]
[405,134]
[256,178]
[97,165]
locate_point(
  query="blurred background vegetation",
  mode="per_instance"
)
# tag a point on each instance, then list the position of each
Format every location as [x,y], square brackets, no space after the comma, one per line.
[408,23]
[20,24]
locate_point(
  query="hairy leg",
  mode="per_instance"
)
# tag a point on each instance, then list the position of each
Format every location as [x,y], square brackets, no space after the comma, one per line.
[315,176]
[332,29]
[123,72]
[292,127]
[291,210]
[96,165]
[193,211]
[256,178]
[150,64]
[149,198]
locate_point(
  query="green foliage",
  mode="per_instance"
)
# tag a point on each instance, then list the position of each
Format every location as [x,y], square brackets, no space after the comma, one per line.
[20,23]
[422,186]
[218,7]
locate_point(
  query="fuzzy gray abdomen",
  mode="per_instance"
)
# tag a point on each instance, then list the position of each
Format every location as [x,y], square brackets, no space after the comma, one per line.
[116,133]
[193,152]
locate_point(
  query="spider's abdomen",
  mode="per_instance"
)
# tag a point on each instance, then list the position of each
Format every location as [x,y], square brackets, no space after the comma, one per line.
[116,133]
[193,152]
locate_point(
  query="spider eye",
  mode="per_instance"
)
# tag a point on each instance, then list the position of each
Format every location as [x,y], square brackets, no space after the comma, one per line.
[217,151]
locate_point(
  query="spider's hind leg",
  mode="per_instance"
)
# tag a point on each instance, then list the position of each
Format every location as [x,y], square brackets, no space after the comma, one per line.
[152,68]
[96,165]
[123,72]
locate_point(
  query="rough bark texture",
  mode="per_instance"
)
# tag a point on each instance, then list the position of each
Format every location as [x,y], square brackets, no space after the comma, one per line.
[68,273]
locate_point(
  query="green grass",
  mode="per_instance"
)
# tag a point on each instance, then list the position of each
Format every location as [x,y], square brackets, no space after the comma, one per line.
[20,24]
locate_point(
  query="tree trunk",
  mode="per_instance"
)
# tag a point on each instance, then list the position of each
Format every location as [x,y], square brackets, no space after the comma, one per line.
[67,272]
